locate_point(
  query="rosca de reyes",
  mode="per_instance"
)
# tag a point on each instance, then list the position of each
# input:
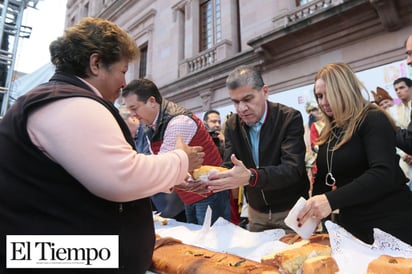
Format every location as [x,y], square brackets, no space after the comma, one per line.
[205,170]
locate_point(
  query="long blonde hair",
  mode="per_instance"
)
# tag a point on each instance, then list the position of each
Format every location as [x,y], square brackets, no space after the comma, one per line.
[344,94]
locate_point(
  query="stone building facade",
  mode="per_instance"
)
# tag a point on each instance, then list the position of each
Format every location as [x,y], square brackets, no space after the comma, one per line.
[189,46]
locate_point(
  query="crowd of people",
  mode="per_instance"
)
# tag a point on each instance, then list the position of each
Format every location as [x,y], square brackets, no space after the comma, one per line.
[105,170]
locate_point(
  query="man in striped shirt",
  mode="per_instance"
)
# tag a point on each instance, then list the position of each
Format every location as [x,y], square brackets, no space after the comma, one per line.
[165,120]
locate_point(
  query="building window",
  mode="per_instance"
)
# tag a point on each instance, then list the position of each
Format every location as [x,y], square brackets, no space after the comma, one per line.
[210,24]
[143,61]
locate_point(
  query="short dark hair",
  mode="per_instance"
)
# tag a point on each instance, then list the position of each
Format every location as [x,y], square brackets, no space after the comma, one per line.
[144,89]
[206,115]
[245,76]
[407,81]
[71,52]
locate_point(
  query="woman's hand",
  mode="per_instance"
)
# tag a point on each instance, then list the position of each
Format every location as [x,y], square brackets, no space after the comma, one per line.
[195,154]
[316,207]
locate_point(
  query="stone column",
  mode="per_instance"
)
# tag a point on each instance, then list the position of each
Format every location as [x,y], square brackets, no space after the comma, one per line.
[150,49]
[230,24]
[191,29]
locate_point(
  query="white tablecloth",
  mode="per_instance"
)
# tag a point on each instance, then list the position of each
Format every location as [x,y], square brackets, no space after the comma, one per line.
[352,255]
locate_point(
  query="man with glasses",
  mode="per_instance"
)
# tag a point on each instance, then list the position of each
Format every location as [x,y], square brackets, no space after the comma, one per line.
[166,120]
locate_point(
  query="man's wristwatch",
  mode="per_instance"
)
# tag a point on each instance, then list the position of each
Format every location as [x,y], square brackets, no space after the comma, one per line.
[252,177]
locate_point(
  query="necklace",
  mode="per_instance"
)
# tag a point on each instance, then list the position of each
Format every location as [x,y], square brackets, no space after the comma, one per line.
[329,178]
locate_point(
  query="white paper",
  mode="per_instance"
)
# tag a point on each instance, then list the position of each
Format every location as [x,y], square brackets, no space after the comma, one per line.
[307,228]
[223,236]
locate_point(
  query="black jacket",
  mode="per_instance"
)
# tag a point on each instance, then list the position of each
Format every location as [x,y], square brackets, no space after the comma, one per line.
[371,187]
[404,138]
[282,174]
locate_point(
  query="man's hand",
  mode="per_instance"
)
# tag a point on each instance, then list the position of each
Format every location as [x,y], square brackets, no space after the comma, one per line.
[237,176]
[221,136]
[195,154]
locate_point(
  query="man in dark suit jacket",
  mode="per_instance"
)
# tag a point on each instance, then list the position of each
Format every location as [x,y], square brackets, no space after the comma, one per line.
[264,144]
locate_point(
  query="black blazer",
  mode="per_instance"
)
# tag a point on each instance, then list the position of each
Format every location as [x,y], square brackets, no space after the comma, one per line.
[282,176]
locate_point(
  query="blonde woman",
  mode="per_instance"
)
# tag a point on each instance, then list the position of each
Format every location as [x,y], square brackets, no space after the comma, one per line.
[358,170]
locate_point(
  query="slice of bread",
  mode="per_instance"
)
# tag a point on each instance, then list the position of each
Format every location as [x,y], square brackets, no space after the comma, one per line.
[205,170]
[291,238]
[320,264]
[291,260]
[386,264]
[172,256]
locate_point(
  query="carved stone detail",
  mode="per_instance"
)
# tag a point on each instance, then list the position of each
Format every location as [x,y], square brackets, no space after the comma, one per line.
[206,98]
[388,14]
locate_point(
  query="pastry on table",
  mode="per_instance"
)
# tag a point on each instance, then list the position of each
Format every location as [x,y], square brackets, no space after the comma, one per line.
[292,238]
[386,264]
[320,265]
[160,219]
[290,260]
[174,257]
